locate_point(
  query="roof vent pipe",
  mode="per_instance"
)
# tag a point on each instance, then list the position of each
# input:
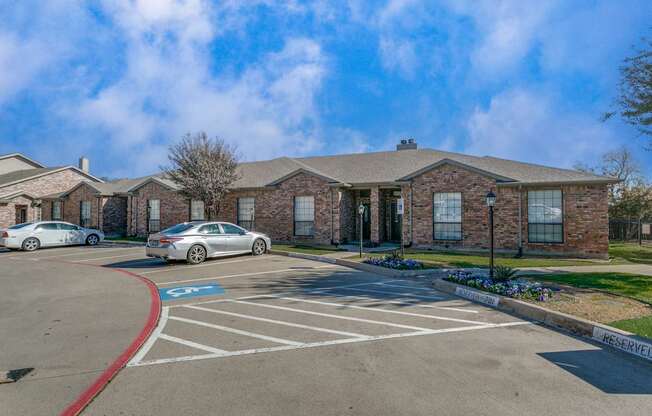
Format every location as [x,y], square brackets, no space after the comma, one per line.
[407,144]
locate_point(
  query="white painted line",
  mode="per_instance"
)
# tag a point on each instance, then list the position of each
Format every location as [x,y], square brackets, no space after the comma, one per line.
[323,343]
[235,331]
[213,262]
[329,315]
[243,274]
[402,302]
[373,308]
[110,257]
[191,344]
[165,311]
[273,321]
[81,252]
[384,292]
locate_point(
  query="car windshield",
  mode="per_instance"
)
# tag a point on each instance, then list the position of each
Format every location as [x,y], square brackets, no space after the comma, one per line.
[176,229]
[19,226]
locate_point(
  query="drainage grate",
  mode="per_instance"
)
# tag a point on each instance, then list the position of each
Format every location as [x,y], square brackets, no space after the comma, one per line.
[13,376]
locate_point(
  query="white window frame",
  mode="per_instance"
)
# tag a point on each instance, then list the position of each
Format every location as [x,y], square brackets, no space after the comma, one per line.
[197,211]
[57,210]
[304,216]
[153,219]
[545,216]
[246,212]
[447,212]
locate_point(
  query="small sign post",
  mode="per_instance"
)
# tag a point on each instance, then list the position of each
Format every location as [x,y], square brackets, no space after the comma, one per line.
[361,212]
[400,210]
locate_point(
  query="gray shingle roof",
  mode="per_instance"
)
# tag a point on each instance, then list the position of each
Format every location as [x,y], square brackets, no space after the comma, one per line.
[20,175]
[391,166]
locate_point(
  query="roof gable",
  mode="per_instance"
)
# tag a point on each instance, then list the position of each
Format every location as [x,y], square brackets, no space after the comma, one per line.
[15,162]
[459,165]
[29,174]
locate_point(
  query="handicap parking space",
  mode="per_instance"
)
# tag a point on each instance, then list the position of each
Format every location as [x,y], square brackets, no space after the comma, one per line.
[300,319]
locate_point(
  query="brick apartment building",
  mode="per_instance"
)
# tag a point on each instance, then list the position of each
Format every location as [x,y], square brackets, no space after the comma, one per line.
[315,199]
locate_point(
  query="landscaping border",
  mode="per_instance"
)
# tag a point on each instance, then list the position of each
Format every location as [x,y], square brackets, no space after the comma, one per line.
[604,334]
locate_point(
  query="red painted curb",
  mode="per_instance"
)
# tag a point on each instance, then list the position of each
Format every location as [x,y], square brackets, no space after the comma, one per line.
[98,385]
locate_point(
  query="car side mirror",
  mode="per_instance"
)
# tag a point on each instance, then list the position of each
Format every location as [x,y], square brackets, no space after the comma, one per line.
[243,232]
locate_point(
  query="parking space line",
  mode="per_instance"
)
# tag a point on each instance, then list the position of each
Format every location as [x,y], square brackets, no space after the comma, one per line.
[323,343]
[235,331]
[273,321]
[405,287]
[384,292]
[162,321]
[401,302]
[80,252]
[206,264]
[373,308]
[192,344]
[329,315]
[109,257]
[244,274]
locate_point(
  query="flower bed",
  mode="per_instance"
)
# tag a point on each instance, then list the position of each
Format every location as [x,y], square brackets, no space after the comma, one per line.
[513,288]
[394,262]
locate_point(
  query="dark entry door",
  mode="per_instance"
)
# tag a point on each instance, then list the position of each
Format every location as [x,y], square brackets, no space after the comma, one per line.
[395,222]
[366,222]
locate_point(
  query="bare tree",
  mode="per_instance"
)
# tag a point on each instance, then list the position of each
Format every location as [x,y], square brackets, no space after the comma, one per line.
[635,97]
[204,169]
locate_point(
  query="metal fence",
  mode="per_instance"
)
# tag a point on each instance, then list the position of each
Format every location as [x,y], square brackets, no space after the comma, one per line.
[630,230]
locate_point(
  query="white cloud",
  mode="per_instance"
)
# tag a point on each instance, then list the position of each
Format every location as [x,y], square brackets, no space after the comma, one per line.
[169,89]
[530,125]
[398,55]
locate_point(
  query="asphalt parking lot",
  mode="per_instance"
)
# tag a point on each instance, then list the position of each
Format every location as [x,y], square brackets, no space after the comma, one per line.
[275,335]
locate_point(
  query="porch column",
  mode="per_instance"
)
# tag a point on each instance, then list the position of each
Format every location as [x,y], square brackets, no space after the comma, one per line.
[375,215]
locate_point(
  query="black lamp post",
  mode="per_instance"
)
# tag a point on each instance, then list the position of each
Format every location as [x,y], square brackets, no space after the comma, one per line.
[361,210]
[491,201]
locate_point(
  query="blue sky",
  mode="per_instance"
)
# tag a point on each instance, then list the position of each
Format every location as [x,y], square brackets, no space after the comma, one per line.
[119,81]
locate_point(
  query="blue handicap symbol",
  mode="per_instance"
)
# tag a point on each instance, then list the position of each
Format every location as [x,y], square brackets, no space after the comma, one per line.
[182,292]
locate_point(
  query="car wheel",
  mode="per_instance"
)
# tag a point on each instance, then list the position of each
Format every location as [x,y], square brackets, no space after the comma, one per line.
[31,244]
[196,254]
[92,240]
[259,247]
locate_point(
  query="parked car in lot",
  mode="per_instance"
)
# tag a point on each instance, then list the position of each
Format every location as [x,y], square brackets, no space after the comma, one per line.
[198,240]
[30,236]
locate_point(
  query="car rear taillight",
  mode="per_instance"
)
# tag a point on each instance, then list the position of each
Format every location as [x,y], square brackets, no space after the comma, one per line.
[170,240]
[5,235]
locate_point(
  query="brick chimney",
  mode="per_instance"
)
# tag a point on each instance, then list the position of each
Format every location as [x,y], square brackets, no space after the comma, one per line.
[407,144]
[84,164]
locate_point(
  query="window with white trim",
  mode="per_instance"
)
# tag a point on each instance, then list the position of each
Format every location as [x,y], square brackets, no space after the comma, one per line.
[545,216]
[56,210]
[85,213]
[196,210]
[447,216]
[304,216]
[153,215]
[246,212]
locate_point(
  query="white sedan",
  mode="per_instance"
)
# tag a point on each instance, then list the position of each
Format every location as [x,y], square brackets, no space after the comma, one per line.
[31,236]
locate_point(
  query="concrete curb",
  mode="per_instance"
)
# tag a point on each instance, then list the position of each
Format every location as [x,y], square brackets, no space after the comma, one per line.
[604,334]
[362,266]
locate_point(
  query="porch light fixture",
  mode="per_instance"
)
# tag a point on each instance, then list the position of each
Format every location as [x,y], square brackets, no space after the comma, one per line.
[491,199]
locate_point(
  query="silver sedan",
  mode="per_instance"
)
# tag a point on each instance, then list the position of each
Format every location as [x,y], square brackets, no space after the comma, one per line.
[31,236]
[197,241]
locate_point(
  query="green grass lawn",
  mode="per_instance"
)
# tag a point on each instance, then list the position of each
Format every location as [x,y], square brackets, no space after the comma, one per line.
[635,286]
[630,253]
[454,259]
[306,249]
[639,326]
